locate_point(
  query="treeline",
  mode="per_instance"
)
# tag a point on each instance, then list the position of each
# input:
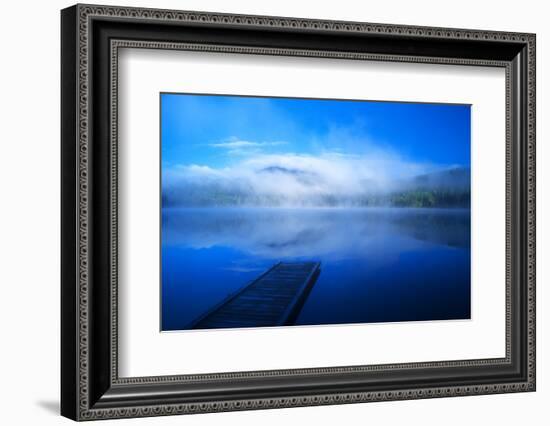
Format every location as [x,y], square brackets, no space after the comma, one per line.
[432,198]
[411,198]
[198,197]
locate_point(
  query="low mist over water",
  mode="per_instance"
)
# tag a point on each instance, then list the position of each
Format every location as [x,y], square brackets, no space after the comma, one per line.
[324,181]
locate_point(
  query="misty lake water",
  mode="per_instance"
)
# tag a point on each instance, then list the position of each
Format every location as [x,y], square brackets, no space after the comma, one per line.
[377,264]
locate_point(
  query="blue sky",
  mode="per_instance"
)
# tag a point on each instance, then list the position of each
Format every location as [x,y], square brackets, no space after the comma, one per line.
[298,149]
[221,131]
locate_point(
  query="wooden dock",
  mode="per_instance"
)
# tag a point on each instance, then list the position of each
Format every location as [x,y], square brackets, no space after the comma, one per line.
[274,298]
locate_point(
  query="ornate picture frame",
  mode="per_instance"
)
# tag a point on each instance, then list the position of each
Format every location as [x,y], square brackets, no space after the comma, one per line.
[91,37]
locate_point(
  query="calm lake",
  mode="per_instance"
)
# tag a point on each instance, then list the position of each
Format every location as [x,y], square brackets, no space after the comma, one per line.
[377,264]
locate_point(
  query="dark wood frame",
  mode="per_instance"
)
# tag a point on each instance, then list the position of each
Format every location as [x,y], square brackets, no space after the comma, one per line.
[90,39]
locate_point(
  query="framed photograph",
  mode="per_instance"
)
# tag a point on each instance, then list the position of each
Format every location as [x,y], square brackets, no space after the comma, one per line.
[263,212]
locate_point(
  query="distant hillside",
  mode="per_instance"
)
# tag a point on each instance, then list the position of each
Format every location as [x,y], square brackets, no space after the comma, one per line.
[445,188]
[456,178]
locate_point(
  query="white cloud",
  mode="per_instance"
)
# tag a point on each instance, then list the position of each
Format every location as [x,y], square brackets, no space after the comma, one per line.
[298,179]
[235,144]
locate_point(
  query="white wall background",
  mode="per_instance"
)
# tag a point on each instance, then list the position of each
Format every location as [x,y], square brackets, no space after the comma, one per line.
[29,213]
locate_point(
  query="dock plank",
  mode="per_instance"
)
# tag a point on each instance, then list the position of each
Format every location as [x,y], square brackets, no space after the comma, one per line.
[274,298]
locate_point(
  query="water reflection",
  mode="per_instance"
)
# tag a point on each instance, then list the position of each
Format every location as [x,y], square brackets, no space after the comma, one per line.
[338,233]
[378,264]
